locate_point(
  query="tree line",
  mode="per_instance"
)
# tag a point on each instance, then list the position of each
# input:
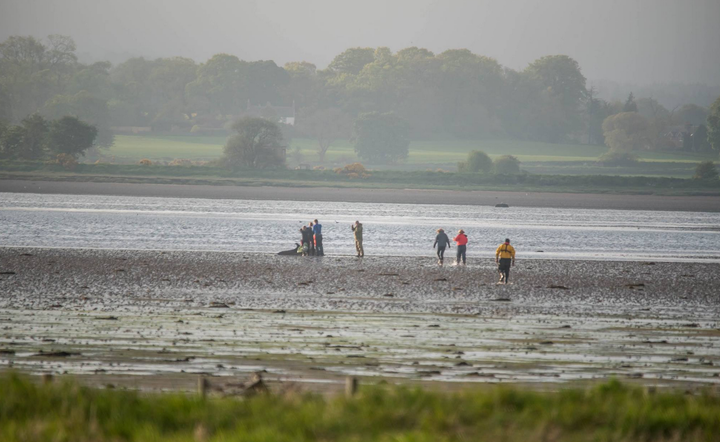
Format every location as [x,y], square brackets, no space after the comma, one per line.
[412,93]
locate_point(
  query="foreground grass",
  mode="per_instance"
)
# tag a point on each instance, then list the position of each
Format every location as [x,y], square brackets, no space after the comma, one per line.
[441,153]
[608,412]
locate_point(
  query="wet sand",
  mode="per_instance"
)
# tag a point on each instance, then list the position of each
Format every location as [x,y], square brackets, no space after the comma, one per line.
[407,196]
[155,320]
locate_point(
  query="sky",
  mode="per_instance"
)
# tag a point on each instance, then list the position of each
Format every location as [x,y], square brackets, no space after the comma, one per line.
[630,41]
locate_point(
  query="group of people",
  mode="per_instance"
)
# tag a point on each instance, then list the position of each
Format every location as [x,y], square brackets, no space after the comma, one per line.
[312,245]
[504,254]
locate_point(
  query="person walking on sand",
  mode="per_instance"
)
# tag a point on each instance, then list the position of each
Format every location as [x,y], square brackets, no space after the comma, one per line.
[317,231]
[504,258]
[441,241]
[461,240]
[357,229]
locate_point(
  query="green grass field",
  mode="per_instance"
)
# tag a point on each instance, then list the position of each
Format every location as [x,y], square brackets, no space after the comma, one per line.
[422,153]
[607,412]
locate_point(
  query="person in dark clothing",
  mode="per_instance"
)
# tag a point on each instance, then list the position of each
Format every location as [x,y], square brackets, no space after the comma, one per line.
[441,241]
[306,239]
[317,231]
[461,239]
[311,244]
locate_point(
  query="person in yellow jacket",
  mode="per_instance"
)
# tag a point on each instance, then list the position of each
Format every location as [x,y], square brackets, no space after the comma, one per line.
[505,257]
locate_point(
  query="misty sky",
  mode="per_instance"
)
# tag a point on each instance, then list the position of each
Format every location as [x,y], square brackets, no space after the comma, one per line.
[635,41]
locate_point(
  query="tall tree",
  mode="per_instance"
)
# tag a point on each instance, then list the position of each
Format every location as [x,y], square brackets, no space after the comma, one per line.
[71,136]
[35,137]
[713,125]
[352,61]
[256,145]
[630,105]
[626,131]
[691,114]
[381,138]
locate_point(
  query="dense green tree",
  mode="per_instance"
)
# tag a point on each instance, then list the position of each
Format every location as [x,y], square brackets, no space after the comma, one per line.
[381,138]
[700,139]
[626,131]
[35,137]
[352,61]
[477,161]
[11,142]
[87,108]
[706,170]
[255,145]
[506,165]
[713,125]
[555,108]
[32,72]
[71,136]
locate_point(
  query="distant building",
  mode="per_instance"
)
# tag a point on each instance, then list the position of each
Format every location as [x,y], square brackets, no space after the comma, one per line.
[281,114]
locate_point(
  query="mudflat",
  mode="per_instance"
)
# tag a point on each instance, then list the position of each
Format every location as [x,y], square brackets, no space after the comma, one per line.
[410,196]
[152,319]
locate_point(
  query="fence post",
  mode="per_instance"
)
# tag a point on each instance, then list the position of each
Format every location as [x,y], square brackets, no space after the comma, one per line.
[351,386]
[202,386]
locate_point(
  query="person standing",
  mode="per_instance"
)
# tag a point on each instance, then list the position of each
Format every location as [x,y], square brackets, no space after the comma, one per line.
[357,229]
[306,239]
[441,241]
[461,240]
[311,238]
[317,231]
[504,258]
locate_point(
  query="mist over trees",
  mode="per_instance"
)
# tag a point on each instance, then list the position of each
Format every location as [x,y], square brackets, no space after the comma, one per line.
[453,94]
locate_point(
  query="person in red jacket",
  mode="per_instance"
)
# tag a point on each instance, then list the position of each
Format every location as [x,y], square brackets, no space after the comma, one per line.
[461,240]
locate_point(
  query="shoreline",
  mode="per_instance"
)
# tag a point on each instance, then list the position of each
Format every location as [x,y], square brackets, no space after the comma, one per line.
[316,322]
[388,196]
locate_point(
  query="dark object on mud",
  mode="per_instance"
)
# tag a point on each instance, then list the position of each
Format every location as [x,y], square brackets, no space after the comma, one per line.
[388,295]
[216,304]
[546,343]
[440,279]
[26,254]
[679,360]
[632,286]
[501,300]
[692,325]
[7,273]
[434,325]
[648,263]
[561,287]
[56,354]
[565,326]
[279,311]
[388,274]
[501,205]
[291,252]
[635,375]
[476,374]
[107,318]
[5,351]
[462,364]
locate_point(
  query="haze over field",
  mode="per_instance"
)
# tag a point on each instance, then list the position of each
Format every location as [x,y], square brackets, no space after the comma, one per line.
[639,41]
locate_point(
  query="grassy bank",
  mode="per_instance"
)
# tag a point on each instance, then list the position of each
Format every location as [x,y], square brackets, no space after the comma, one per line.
[425,153]
[608,412]
[377,179]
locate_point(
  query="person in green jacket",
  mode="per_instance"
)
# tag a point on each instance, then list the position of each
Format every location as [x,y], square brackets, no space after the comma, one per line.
[357,229]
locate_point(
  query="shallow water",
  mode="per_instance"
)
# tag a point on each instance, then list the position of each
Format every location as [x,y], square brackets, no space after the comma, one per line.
[70,221]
